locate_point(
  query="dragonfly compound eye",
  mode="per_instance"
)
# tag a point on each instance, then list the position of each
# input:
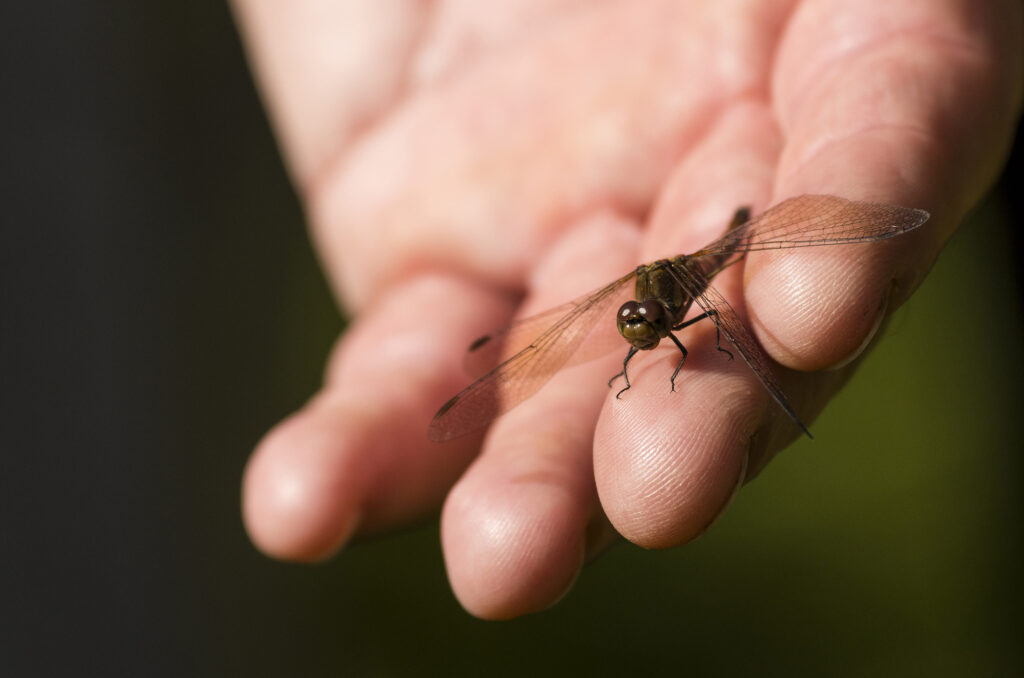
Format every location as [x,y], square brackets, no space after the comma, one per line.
[638,323]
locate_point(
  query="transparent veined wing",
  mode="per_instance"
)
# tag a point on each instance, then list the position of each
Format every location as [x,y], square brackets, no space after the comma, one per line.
[812,220]
[579,334]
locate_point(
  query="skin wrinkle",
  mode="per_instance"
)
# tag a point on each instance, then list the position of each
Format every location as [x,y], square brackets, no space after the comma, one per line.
[821,79]
[546,465]
[812,87]
[810,155]
[798,177]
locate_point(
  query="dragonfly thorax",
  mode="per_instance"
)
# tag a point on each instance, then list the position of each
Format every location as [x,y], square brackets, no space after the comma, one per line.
[643,324]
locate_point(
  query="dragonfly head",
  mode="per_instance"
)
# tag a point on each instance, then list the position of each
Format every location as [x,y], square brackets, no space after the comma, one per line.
[643,324]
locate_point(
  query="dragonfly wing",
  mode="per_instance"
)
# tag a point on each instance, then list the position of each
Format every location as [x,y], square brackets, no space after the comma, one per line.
[729,325]
[525,372]
[497,347]
[812,220]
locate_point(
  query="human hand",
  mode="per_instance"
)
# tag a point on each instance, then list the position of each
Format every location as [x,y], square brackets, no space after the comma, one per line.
[454,156]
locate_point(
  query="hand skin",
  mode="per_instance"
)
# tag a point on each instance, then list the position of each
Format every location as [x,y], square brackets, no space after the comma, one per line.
[463,163]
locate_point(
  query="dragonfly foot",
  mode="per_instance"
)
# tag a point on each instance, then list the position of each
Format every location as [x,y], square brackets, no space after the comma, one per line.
[682,360]
[625,363]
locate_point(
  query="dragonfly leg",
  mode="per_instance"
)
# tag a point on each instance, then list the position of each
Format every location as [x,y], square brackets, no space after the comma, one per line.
[682,360]
[713,315]
[632,352]
[718,334]
[691,321]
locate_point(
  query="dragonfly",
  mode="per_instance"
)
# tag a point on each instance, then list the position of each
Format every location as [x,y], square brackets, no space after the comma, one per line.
[532,350]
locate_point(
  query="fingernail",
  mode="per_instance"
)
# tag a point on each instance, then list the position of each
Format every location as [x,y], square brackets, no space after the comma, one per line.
[868,337]
[735,490]
[599,538]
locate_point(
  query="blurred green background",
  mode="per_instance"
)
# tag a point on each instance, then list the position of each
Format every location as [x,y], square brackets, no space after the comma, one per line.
[164,309]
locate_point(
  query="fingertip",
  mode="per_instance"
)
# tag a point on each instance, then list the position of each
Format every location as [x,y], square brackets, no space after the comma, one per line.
[818,310]
[668,463]
[356,457]
[296,502]
[511,552]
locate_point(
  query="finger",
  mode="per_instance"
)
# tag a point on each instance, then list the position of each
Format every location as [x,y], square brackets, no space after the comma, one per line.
[515,528]
[356,458]
[666,463]
[518,526]
[873,104]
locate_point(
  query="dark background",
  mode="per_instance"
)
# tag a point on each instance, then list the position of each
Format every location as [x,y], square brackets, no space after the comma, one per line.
[162,308]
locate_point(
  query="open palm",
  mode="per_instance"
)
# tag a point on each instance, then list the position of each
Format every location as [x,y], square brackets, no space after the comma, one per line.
[465,163]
